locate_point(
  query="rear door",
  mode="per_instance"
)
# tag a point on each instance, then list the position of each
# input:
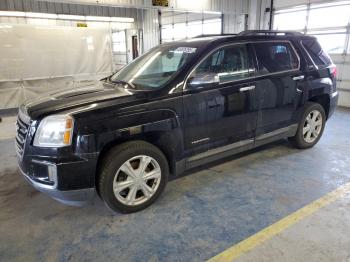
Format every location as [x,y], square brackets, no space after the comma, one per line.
[279,88]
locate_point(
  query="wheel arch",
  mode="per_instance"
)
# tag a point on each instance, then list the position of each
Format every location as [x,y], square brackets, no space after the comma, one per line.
[167,142]
[323,100]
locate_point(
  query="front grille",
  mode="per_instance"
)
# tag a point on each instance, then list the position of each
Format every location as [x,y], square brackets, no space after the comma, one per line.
[22,126]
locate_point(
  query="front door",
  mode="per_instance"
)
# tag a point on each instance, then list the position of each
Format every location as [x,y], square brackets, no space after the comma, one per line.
[219,100]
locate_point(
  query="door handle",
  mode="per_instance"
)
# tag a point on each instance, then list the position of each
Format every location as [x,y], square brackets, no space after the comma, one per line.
[296,78]
[246,88]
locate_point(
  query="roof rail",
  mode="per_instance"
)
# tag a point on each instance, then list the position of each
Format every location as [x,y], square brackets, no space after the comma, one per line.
[208,35]
[268,32]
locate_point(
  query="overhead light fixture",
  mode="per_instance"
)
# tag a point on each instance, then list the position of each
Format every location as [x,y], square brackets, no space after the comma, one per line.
[122,19]
[110,19]
[12,13]
[67,17]
[41,15]
[71,17]
[97,18]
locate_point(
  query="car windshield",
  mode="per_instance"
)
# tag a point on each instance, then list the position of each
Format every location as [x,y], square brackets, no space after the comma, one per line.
[155,68]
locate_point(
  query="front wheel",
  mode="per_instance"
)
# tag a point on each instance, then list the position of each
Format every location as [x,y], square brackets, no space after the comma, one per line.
[132,176]
[310,127]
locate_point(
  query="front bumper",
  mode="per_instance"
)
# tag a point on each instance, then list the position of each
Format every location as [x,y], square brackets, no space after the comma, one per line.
[67,182]
[77,197]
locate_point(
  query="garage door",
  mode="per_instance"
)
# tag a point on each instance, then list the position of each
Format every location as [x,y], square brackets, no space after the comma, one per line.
[330,23]
[184,25]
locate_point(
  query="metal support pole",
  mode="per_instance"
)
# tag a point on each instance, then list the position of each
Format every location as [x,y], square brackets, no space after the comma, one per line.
[271,16]
[160,26]
[222,23]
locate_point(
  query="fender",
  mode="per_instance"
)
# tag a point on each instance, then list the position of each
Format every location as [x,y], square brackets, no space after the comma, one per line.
[321,86]
[161,127]
[318,88]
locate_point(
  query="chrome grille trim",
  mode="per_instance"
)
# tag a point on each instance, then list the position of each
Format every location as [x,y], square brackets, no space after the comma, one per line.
[22,126]
[23,116]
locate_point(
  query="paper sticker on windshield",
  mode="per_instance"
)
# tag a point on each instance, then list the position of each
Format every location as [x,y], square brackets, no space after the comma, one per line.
[188,50]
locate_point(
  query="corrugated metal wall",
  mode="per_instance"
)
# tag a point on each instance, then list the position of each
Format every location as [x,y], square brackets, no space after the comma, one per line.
[224,6]
[198,5]
[149,23]
[258,17]
[66,8]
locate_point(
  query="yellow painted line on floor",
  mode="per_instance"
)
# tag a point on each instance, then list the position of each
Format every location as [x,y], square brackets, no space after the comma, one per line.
[276,228]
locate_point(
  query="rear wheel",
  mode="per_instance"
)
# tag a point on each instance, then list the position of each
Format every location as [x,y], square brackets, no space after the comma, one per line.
[310,127]
[132,176]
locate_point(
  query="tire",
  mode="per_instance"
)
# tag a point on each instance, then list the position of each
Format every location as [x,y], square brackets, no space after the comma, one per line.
[132,176]
[306,139]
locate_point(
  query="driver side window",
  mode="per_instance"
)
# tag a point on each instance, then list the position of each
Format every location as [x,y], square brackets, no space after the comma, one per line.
[224,65]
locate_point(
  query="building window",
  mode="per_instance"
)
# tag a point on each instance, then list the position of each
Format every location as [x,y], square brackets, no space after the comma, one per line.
[329,23]
[172,31]
[212,26]
[290,19]
[329,16]
[118,41]
[194,29]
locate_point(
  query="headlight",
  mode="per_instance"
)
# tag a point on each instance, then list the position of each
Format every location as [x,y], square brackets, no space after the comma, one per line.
[54,131]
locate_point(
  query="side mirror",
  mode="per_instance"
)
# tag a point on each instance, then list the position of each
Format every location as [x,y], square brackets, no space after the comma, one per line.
[203,80]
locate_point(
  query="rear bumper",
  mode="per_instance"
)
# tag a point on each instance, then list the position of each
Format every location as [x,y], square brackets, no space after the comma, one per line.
[79,197]
[333,103]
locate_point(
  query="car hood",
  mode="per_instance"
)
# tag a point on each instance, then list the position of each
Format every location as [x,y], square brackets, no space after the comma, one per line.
[66,99]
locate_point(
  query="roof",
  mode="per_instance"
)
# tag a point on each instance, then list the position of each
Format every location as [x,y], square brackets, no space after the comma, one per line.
[248,35]
[254,34]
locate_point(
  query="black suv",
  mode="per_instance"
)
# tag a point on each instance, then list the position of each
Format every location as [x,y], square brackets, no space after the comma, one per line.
[178,106]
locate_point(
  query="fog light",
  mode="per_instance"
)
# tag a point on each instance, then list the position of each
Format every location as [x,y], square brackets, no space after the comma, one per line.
[52,170]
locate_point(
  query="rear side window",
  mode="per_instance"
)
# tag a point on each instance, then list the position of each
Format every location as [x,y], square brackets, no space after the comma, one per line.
[275,57]
[316,52]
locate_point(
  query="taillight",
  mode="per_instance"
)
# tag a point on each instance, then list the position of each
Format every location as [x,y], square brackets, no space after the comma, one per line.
[333,71]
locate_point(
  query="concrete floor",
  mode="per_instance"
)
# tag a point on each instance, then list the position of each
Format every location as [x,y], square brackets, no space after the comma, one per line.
[323,236]
[198,216]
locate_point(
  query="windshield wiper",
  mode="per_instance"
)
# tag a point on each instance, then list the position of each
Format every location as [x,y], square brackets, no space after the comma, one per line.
[121,82]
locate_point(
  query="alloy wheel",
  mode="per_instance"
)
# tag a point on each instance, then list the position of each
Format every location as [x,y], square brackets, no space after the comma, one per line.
[137,180]
[312,126]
